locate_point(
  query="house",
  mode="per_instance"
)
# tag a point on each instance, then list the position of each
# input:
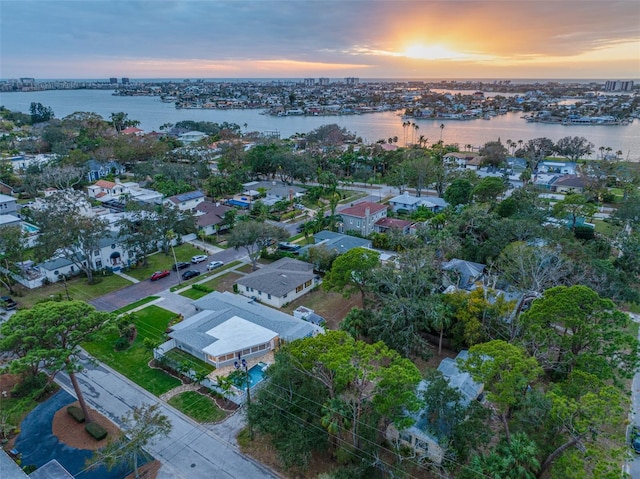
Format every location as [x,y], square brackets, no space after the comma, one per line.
[569,184]
[423,436]
[54,269]
[191,137]
[209,216]
[111,254]
[411,203]
[463,274]
[99,170]
[5,189]
[338,242]
[132,130]
[227,326]
[555,166]
[384,225]
[8,205]
[463,160]
[104,190]
[186,201]
[279,283]
[9,220]
[276,190]
[362,217]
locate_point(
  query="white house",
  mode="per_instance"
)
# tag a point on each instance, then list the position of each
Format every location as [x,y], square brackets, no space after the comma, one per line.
[192,137]
[229,326]
[105,190]
[279,283]
[186,201]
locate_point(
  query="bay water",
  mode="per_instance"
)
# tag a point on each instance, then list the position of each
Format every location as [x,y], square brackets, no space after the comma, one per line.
[152,113]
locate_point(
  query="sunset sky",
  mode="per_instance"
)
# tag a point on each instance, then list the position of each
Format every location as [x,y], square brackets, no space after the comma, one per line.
[307,38]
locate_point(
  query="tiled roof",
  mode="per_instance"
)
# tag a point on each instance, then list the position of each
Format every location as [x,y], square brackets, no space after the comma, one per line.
[359,210]
[105,184]
[393,223]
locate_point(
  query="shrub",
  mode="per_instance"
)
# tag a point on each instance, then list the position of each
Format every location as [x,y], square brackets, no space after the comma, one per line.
[29,385]
[121,344]
[96,431]
[203,288]
[76,413]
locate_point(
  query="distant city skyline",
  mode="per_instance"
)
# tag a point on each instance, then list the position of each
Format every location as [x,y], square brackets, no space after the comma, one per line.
[549,39]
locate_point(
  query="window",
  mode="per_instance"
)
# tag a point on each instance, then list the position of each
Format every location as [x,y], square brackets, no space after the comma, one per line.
[299,288]
[96,252]
[246,351]
[284,295]
[358,223]
[307,284]
[259,293]
[269,296]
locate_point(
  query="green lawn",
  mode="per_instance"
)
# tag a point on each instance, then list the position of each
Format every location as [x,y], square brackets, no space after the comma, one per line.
[135,304]
[151,322]
[193,293]
[160,261]
[197,406]
[604,227]
[77,288]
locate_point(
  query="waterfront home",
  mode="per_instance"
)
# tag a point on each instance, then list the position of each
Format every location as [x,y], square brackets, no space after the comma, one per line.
[462,160]
[556,166]
[228,326]
[279,283]
[191,137]
[361,217]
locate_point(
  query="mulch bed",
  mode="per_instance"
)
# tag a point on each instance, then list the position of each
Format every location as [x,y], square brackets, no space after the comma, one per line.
[72,433]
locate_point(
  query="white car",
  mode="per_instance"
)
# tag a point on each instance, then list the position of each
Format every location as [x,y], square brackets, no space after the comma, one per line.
[214,265]
[199,258]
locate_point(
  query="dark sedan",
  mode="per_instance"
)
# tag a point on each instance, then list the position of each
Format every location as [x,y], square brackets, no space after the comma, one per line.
[180,265]
[190,274]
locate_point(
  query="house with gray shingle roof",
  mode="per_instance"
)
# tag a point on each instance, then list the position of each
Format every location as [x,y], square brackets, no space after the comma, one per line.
[228,326]
[279,283]
[462,274]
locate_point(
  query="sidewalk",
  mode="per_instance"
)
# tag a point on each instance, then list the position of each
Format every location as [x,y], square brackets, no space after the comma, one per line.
[127,277]
[201,245]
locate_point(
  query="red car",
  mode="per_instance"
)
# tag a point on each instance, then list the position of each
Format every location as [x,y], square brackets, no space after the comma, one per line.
[159,274]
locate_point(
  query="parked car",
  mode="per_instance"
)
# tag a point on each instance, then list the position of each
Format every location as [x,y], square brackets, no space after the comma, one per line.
[290,247]
[635,439]
[199,258]
[180,265]
[190,274]
[214,265]
[8,303]
[159,275]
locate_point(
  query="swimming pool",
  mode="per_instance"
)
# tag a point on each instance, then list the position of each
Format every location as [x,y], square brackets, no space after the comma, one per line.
[256,375]
[29,228]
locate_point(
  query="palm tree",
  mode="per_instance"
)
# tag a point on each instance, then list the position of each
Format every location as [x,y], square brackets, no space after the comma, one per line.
[415,130]
[441,129]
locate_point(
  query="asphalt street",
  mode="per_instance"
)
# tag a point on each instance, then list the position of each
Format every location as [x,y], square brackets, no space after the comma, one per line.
[190,451]
[633,465]
[145,288]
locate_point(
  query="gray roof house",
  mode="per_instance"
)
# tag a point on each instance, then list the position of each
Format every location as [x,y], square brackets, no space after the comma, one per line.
[464,273]
[411,203]
[279,283]
[338,242]
[422,436]
[228,326]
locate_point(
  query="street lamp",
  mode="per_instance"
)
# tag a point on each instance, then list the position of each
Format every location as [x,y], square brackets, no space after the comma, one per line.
[243,364]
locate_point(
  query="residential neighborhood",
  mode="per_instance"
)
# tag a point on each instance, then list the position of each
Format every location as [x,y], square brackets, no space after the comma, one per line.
[313,297]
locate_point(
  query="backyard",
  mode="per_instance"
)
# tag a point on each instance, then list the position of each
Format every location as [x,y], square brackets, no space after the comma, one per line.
[331,306]
[151,322]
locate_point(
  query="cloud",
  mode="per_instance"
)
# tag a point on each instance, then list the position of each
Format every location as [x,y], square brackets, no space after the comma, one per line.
[230,35]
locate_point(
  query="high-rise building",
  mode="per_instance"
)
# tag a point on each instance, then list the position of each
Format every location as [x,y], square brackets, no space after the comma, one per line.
[125,81]
[618,85]
[323,81]
[309,81]
[352,80]
[113,81]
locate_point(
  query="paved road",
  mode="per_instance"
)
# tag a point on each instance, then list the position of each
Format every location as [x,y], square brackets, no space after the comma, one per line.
[191,451]
[633,466]
[135,292]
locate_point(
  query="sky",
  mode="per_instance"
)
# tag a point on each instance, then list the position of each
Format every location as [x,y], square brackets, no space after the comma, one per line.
[476,39]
